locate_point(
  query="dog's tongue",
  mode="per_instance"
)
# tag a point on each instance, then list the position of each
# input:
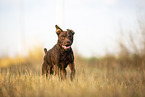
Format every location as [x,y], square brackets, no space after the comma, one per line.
[66,47]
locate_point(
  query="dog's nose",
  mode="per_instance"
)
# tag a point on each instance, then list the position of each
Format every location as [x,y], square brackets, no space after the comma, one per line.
[68,42]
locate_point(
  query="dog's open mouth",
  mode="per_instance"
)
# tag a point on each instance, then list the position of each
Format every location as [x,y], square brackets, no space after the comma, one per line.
[66,47]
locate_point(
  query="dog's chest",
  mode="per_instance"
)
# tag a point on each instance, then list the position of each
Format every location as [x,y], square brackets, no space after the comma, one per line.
[65,59]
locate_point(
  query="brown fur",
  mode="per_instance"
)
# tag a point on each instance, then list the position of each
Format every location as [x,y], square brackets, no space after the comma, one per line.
[60,56]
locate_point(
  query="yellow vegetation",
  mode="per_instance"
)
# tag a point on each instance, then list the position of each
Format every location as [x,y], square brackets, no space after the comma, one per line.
[104,77]
[110,76]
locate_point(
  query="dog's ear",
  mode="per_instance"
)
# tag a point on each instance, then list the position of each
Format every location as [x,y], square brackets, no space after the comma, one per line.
[71,31]
[58,29]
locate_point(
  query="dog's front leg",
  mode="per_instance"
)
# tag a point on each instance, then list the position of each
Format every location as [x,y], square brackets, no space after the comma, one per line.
[63,73]
[72,68]
[56,70]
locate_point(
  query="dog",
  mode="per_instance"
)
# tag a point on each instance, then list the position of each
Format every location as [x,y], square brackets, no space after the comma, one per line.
[60,56]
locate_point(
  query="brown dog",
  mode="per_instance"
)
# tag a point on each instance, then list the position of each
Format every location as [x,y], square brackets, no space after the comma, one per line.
[60,56]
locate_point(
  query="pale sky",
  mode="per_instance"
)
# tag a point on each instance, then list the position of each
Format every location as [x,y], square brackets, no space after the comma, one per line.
[96,23]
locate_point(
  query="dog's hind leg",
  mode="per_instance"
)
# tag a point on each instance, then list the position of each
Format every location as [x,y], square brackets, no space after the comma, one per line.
[44,70]
[48,71]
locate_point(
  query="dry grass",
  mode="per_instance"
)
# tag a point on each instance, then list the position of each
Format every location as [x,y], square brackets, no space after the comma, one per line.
[91,80]
[122,76]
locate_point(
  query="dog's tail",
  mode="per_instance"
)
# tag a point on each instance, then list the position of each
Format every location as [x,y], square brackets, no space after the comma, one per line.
[45,50]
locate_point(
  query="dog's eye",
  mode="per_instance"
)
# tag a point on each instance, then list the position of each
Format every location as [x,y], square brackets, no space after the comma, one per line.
[62,37]
[70,37]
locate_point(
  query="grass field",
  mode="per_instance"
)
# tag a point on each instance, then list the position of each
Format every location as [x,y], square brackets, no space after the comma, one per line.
[92,79]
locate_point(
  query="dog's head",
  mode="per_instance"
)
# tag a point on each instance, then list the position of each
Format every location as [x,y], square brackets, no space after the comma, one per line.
[65,38]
